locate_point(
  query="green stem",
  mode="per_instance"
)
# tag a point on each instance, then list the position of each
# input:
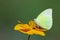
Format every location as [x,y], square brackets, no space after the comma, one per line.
[29,37]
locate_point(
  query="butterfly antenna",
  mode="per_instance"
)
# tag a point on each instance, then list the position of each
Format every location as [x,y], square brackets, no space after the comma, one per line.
[19,21]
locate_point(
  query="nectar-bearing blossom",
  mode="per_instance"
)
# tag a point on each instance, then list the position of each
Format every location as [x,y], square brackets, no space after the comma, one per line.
[29,29]
[39,25]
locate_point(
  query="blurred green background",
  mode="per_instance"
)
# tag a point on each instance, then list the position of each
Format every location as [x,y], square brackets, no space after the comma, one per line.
[25,10]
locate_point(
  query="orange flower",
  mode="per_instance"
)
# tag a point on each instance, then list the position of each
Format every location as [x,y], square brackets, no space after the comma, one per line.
[30,28]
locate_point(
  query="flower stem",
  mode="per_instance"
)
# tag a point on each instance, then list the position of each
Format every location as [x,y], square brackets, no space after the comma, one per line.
[29,37]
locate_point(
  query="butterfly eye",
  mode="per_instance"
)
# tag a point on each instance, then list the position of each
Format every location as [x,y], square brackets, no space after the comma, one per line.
[33,28]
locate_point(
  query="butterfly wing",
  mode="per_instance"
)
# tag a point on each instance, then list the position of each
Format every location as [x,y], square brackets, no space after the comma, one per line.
[44,19]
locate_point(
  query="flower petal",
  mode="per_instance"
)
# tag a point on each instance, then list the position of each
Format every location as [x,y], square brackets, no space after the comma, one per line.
[21,26]
[39,32]
[29,29]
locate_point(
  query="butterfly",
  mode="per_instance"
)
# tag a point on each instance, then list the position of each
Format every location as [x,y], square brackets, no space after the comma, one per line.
[42,23]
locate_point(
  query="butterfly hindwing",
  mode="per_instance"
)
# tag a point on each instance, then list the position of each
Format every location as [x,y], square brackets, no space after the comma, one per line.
[44,19]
